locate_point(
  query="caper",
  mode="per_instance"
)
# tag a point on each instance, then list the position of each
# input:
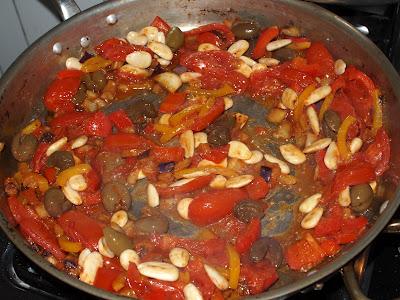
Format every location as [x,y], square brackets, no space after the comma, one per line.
[361,196]
[247,210]
[116,241]
[24,146]
[246,30]
[152,224]
[175,38]
[115,196]
[55,202]
[61,160]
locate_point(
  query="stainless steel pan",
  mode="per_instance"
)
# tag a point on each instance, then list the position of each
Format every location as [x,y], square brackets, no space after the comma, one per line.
[23,85]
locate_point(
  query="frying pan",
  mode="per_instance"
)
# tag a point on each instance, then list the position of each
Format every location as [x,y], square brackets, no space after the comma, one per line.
[22,87]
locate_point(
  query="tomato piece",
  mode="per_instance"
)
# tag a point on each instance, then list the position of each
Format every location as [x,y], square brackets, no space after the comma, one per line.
[59,94]
[318,54]
[134,280]
[226,34]
[40,157]
[216,154]
[105,277]
[378,153]
[93,180]
[81,228]
[36,232]
[19,210]
[202,122]
[161,25]
[116,49]
[50,174]
[97,125]
[173,102]
[351,230]
[191,186]
[352,73]
[257,277]
[329,247]
[126,141]
[209,37]
[249,236]
[200,278]
[69,73]
[209,207]
[120,119]
[258,188]
[331,223]
[69,119]
[266,36]
[167,154]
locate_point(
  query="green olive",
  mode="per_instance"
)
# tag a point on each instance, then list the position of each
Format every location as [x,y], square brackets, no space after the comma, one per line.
[24,146]
[175,38]
[116,241]
[152,224]
[115,196]
[61,160]
[99,80]
[361,196]
[246,30]
[80,94]
[55,202]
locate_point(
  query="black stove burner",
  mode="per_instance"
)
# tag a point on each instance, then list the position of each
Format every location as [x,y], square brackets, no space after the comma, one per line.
[20,278]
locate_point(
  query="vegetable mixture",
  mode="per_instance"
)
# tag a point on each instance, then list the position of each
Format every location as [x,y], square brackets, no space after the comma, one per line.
[148,179]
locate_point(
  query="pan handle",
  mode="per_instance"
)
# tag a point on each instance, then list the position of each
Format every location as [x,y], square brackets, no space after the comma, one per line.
[354,270]
[66,8]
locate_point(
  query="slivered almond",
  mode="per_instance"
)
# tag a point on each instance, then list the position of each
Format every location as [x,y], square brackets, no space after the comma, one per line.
[206,162]
[104,249]
[219,281]
[91,264]
[258,67]
[355,145]
[269,61]
[128,256]
[153,199]
[161,50]
[292,154]
[317,145]
[72,195]
[291,31]
[150,32]
[139,59]
[56,146]
[181,182]
[134,70]
[289,98]
[248,61]
[239,150]
[159,270]
[79,142]
[332,156]
[340,67]
[164,119]
[72,63]
[275,45]
[282,165]
[244,69]
[179,257]
[191,292]
[318,94]
[228,103]
[310,138]
[313,119]
[344,198]
[238,181]
[136,38]
[120,218]
[218,182]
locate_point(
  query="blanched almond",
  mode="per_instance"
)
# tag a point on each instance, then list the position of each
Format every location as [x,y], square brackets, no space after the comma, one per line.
[189,76]
[159,270]
[248,61]
[195,174]
[310,138]
[292,154]
[72,195]
[244,69]
[256,157]
[191,292]
[72,63]
[332,156]
[179,257]
[291,31]
[163,62]
[312,218]
[164,119]
[269,61]
[169,81]
[207,47]
[161,50]
[187,143]
[289,98]
[104,249]
[79,142]
[239,47]
[318,145]
[181,182]
[128,256]
[150,32]
[139,59]
[56,146]
[275,45]
[241,119]
[228,103]
[313,119]
[206,162]
[219,281]
[344,198]
[153,199]
[258,67]
[318,94]
[183,207]
[134,70]
[282,165]
[310,203]
[355,145]
[200,138]
[120,218]
[160,37]
[91,264]
[239,150]
[136,38]
[218,182]
[238,181]
[340,67]
[82,256]
[77,183]
[276,115]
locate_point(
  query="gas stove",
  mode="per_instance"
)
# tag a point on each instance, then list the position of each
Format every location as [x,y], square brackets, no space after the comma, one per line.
[21,279]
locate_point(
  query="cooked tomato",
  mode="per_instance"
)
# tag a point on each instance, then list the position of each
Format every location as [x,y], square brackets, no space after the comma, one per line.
[59,94]
[378,153]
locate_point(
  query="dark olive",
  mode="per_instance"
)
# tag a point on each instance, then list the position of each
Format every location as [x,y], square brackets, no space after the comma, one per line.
[55,202]
[46,137]
[89,83]
[115,196]
[99,80]
[116,241]
[219,136]
[108,161]
[285,54]
[80,94]
[361,196]
[61,159]
[24,146]
[332,120]
[152,224]
[141,110]
[267,248]
[175,38]
[247,210]
[246,30]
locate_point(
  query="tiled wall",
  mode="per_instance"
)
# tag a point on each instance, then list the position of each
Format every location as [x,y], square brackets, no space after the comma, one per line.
[23,21]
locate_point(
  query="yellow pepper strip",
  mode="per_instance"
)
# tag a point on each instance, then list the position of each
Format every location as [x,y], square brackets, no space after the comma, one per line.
[325,105]
[177,118]
[162,128]
[234,267]
[298,109]
[35,180]
[205,234]
[42,182]
[193,172]
[344,150]
[31,127]
[95,63]
[68,246]
[118,283]
[206,107]
[224,90]
[299,46]
[377,119]
[167,136]
[63,177]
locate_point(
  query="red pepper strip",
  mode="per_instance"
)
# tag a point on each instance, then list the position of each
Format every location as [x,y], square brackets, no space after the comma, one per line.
[354,74]
[97,125]
[69,73]
[229,37]
[195,184]
[266,36]
[39,158]
[59,94]
[202,122]
[249,236]
[120,119]
[19,210]
[161,25]
[209,37]
[338,84]
[209,207]
[167,154]
[217,154]
[50,174]
[173,102]
[258,188]
[117,50]
[105,277]
[378,153]
[81,228]
[126,141]
[93,180]
[351,230]
[35,231]
[69,119]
